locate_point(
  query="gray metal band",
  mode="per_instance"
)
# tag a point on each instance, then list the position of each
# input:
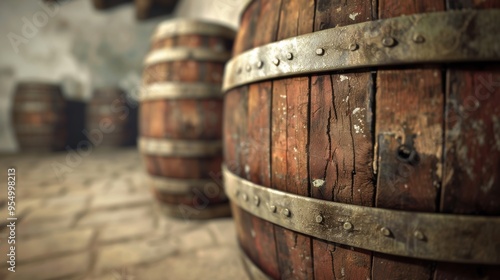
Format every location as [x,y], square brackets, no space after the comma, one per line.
[172,90]
[179,54]
[179,148]
[180,186]
[439,237]
[456,36]
[195,27]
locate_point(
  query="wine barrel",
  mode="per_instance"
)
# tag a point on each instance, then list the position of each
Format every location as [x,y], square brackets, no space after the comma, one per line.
[361,140]
[110,115]
[39,116]
[180,117]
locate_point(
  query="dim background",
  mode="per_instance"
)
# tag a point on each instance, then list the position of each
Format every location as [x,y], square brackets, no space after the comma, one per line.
[82,48]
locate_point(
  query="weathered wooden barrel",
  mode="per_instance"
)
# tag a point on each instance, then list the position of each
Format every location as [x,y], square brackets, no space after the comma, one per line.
[110,115]
[180,117]
[39,116]
[361,140]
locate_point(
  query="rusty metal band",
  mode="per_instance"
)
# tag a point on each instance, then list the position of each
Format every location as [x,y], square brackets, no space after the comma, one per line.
[442,37]
[430,236]
[173,90]
[180,186]
[252,269]
[179,54]
[193,213]
[180,148]
[195,27]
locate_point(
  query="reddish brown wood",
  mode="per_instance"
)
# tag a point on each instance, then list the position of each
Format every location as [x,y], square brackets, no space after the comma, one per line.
[184,119]
[259,116]
[409,112]
[471,183]
[39,117]
[341,149]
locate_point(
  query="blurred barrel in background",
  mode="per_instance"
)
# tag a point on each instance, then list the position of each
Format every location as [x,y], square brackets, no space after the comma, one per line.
[109,114]
[39,116]
[181,117]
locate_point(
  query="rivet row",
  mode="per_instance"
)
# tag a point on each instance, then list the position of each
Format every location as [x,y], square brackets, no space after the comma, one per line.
[319,219]
[388,42]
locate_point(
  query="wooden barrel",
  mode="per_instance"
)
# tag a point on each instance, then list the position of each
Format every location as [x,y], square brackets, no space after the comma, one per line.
[361,139]
[39,116]
[180,117]
[110,115]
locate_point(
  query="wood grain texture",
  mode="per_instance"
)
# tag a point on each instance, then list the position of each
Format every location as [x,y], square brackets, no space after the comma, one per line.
[341,142]
[238,146]
[259,138]
[289,140]
[409,110]
[471,184]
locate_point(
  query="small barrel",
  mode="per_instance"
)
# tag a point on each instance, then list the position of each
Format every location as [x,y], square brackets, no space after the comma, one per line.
[180,117]
[39,117]
[110,119]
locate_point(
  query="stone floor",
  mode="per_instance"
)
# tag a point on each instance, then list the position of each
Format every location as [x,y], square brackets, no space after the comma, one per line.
[94,218]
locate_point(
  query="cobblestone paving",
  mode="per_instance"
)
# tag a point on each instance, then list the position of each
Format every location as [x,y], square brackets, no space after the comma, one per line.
[95,219]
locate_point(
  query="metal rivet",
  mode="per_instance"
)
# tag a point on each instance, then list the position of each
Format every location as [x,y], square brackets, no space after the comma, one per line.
[353,46]
[347,226]
[385,231]
[289,56]
[319,219]
[260,64]
[256,200]
[276,61]
[320,51]
[245,197]
[417,38]
[249,68]
[419,235]
[388,42]
[272,208]
[286,212]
